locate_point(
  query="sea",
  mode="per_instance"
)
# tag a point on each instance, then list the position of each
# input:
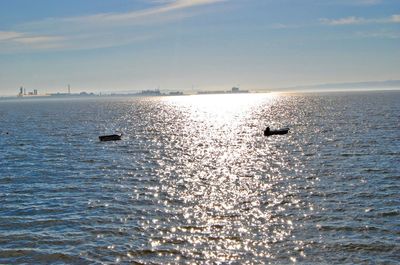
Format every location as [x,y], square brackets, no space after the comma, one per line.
[195,181]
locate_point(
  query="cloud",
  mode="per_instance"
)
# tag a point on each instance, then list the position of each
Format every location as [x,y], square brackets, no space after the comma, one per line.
[20,37]
[135,16]
[366,2]
[17,41]
[379,34]
[343,21]
[97,30]
[359,20]
[356,2]
[284,26]
[38,39]
[395,18]
[9,35]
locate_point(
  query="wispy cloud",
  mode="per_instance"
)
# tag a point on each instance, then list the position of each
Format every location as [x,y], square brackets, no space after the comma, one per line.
[166,7]
[38,39]
[9,35]
[359,20]
[96,30]
[366,2]
[284,26]
[379,34]
[20,37]
[343,21]
[395,18]
[16,41]
[355,2]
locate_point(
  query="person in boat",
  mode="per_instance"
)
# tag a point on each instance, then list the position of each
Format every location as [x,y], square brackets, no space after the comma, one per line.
[267,131]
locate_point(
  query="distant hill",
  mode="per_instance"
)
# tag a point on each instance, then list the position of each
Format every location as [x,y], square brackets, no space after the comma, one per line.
[387,84]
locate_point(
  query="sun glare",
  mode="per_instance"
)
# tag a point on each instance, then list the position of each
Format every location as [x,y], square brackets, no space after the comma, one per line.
[221,109]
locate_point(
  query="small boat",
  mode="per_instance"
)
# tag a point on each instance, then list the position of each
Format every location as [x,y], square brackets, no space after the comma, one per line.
[268,132]
[112,137]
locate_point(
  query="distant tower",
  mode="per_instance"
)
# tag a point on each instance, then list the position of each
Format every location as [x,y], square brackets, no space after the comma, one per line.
[69,89]
[235,89]
[35,92]
[24,91]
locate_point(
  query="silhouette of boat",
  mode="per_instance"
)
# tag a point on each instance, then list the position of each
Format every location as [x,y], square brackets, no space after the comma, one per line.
[268,132]
[112,137]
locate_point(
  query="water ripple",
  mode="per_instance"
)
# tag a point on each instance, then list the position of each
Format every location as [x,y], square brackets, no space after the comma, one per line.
[195,181]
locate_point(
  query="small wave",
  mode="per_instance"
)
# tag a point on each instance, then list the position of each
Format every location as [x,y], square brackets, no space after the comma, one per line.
[370,247]
[30,256]
[148,251]
[389,213]
[352,154]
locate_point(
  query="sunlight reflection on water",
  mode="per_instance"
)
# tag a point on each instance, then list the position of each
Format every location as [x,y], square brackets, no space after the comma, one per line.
[195,181]
[229,198]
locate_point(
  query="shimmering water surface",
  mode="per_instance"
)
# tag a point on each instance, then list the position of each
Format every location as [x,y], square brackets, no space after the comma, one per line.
[195,181]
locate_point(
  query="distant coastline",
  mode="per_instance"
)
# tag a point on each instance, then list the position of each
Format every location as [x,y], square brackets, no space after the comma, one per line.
[328,87]
[350,86]
[143,93]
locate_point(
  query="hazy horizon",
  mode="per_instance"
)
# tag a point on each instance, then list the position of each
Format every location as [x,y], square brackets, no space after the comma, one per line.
[200,44]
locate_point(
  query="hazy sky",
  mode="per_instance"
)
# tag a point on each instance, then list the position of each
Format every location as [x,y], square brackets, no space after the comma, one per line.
[104,45]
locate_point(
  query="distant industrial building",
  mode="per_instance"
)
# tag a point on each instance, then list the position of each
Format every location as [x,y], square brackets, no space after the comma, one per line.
[22,92]
[237,90]
[234,90]
[155,92]
[175,93]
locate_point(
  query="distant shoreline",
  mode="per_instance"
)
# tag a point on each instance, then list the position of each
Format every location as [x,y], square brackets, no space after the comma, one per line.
[115,95]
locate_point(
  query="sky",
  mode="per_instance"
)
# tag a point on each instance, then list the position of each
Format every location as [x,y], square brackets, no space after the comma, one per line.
[128,45]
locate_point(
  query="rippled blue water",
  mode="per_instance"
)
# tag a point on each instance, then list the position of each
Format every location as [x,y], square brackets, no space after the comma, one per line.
[195,181]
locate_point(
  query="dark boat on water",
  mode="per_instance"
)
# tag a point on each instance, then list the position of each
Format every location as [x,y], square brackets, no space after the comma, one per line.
[269,132]
[112,137]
